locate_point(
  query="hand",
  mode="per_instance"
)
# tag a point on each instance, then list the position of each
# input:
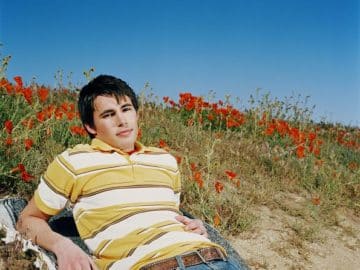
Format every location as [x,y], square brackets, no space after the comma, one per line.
[71,257]
[193,225]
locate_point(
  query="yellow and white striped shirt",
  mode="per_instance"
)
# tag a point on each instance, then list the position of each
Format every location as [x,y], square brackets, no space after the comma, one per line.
[124,205]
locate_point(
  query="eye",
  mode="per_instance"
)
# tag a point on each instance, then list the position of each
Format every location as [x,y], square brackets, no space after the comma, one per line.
[107,115]
[125,109]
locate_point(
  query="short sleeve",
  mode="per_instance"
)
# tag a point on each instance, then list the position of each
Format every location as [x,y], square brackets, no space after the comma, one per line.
[54,188]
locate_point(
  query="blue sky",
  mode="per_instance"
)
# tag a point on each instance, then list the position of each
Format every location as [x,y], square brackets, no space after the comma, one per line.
[285,47]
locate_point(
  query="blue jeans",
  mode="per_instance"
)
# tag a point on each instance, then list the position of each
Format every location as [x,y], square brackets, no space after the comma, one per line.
[213,265]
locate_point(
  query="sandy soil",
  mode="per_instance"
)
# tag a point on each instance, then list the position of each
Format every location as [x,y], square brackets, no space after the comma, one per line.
[277,242]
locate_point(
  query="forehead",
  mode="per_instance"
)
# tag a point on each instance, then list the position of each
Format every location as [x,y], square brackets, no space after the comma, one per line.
[102,102]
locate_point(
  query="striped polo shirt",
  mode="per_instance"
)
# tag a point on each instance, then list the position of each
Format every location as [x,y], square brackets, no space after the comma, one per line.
[124,205]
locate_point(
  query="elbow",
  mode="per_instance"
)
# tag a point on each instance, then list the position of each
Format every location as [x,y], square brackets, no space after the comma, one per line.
[20,223]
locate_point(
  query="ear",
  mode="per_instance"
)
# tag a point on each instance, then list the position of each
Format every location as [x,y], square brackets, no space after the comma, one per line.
[90,129]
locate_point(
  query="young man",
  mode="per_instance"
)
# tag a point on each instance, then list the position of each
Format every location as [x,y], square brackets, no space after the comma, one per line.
[125,196]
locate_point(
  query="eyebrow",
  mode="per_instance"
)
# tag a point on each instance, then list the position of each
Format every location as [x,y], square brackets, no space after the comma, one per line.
[126,105]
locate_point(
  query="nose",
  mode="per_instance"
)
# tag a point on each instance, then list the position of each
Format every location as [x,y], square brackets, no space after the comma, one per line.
[120,119]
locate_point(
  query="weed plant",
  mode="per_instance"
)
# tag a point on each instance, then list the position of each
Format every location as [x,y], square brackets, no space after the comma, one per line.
[231,161]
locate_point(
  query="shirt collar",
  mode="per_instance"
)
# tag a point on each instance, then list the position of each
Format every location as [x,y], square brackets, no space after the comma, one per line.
[98,144]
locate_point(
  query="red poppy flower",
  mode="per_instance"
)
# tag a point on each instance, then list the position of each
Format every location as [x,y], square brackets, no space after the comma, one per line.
[315,200]
[77,130]
[210,117]
[3,82]
[162,143]
[270,130]
[219,186]
[300,151]
[294,134]
[19,168]
[316,151]
[26,177]
[166,99]
[70,115]
[27,93]
[193,166]
[230,122]
[8,86]
[198,178]
[19,83]
[43,94]
[41,116]
[197,175]
[312,136]
[230,174]
[72,107]
[200,183]
[8,141]
[28,144]
[59,114]
[282,127]
[172,103]
[8,126]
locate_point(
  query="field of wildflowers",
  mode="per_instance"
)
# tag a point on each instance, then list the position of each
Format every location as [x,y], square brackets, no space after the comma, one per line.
[231,160]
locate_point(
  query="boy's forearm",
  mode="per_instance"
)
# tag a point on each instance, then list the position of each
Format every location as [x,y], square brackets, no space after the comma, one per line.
[68,255]
[39,232]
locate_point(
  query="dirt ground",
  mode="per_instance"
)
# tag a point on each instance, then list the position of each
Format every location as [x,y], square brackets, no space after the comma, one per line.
[277,243]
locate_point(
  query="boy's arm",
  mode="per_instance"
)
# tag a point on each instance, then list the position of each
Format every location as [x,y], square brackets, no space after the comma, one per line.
[33,225]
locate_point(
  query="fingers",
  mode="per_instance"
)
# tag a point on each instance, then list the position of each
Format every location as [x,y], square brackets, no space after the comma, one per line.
[193,225]
[75,260]
[183,219]
[79,265]
[197,227]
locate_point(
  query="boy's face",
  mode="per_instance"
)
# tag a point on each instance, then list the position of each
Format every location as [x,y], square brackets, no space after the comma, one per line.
[115,123]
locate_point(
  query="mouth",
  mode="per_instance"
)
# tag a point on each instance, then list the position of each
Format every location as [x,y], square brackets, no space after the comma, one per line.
[124,133]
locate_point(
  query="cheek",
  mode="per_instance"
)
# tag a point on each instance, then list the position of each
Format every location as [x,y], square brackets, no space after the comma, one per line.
[135,120]
[105,127]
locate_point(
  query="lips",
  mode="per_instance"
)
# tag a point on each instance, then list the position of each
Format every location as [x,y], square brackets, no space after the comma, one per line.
[124,133]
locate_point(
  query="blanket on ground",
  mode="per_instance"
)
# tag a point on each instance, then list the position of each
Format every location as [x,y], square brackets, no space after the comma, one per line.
[64,224]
